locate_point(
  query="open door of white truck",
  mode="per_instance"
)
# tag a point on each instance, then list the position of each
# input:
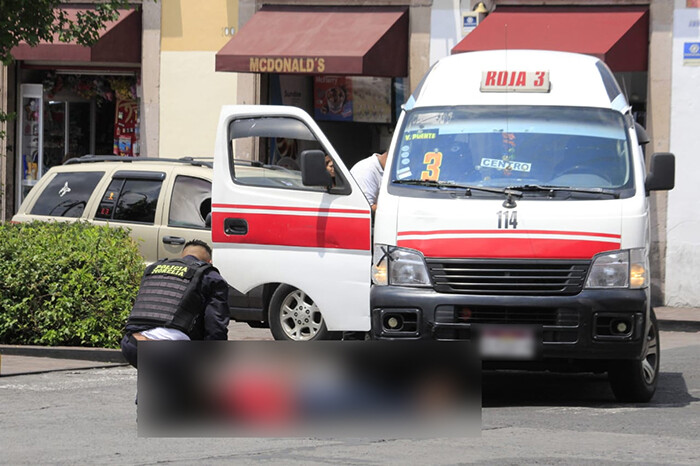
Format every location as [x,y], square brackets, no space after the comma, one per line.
[269,227]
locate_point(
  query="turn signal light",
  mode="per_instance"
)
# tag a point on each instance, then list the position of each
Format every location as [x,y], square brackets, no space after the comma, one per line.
[638,276]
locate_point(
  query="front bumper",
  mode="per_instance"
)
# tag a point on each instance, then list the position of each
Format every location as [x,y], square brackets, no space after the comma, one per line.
[583,326]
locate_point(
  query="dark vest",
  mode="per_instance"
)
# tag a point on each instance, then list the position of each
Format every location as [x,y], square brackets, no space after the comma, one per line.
[169,295]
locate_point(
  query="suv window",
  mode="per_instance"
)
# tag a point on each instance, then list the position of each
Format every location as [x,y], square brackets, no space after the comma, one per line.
[190,202]
[130,200]
[67,194]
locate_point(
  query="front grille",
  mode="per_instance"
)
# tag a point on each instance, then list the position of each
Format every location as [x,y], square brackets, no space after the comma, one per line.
[561,317]
[498,315]
[508,277]
[558,325]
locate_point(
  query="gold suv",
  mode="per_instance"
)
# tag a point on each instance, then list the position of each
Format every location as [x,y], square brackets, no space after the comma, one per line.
[164,202]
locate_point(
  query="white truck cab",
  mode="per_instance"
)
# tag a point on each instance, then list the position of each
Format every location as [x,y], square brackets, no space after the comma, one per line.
[513,211]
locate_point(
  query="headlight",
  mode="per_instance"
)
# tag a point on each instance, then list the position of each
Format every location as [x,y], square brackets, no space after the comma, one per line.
[398,266]
[620,269]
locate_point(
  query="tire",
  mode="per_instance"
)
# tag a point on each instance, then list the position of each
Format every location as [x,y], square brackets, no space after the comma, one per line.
[293,316]
[635,380]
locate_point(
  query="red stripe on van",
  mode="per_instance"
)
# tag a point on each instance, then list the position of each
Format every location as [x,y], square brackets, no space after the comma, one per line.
[296,230]
[290,209]
[510,248]
[507,232]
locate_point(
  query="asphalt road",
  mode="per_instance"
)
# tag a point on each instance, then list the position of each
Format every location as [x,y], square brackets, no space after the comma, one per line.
[88,416]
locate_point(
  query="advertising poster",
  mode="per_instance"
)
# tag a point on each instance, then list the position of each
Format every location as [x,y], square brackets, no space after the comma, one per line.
[333,98]
[371,99]
[293,90]
[125,131]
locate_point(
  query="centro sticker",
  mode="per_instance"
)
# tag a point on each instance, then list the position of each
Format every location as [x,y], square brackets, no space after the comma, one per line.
[506,165]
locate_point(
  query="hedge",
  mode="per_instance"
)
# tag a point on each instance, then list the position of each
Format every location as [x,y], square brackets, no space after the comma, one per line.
[69,284]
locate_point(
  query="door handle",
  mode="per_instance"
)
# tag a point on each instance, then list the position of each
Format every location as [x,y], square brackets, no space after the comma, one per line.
[173,240]
[235,226]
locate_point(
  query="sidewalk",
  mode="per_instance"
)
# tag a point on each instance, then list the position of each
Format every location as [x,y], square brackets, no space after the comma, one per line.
[678,317]
[20,360]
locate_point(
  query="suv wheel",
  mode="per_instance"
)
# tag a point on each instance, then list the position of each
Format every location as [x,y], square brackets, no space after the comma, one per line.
[635,380]
[295,317]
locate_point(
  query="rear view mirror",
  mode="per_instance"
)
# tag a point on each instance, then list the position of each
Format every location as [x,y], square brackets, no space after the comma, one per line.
[662,173]
[313,169]
[207,221]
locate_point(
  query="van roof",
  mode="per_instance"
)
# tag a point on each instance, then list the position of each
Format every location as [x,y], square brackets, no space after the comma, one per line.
[575,80]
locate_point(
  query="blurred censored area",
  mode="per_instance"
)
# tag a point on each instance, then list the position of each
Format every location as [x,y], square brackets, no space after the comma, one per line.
[369,389]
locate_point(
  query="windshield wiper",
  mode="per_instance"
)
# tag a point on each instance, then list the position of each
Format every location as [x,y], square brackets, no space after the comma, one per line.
[508,191]
[453,185]
[552,189]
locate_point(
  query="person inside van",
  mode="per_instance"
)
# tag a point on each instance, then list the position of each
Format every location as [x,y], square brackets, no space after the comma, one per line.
[331,169]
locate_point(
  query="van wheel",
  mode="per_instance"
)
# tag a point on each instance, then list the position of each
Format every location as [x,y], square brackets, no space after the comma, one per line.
[635,380]
[295,317]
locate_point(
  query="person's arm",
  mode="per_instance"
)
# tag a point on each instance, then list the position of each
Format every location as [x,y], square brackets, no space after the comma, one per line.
[216,311]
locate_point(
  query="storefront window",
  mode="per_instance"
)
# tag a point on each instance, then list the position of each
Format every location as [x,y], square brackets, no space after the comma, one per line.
[356,113]
[71,115]
[100,114]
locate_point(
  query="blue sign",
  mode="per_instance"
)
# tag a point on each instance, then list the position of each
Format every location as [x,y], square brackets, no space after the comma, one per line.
[468,22]
[691,51]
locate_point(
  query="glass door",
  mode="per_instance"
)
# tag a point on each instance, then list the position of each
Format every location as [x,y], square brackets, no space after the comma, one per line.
[54,132]
[30,133]
[79,129]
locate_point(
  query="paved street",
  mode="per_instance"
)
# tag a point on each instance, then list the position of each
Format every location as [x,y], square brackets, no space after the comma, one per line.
[88,416]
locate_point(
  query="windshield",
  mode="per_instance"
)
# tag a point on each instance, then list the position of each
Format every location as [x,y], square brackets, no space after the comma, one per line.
[514,147]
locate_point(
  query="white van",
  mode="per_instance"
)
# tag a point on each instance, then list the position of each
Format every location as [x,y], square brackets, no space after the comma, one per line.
[513,211]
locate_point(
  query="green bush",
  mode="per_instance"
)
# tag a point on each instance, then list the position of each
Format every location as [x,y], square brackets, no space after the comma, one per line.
[66,283]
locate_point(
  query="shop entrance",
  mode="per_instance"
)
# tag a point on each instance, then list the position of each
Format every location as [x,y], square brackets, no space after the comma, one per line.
[76,127]
[66,115]
[357,114]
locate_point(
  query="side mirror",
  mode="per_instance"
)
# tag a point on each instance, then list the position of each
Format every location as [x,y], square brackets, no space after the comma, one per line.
[642,135]
[313,169]
[207,221]
[662,173]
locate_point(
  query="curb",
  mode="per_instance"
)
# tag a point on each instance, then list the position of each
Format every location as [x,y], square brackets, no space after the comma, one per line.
[679,325]
[4,375]
[108,355]
[65,352]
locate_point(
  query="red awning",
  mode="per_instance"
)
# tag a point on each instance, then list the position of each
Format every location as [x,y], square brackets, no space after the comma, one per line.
[120,42]
[617,35]
[320,40]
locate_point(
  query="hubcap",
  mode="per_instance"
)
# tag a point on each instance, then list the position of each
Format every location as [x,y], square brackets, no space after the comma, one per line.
[651,360]
[300,317]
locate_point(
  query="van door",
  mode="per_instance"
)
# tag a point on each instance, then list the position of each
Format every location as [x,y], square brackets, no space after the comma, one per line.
[268,227]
